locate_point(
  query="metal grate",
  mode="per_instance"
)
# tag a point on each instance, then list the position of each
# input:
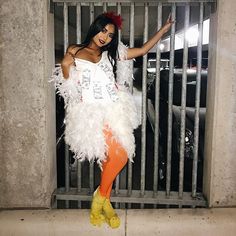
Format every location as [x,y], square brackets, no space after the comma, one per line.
[124,192]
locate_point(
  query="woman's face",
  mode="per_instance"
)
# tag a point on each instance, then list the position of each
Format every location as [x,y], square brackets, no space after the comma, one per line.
[105,36]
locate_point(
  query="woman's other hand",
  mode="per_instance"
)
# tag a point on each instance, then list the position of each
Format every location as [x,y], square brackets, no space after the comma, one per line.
[167,25]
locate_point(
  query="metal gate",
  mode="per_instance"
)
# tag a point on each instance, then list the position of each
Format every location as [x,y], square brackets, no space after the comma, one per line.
[152,178]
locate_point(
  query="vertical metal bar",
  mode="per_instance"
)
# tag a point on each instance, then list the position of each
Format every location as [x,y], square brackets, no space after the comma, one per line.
[67,172]
[79,180]
[104,7]
[54,202]
[91,166]
[170,101]
[183,102]
[118,6]
[78,39]
[78,22]
[157,101]
[131,37]
[197,102]
[144,105]
[131,44]
[65,15]
[119,12]
[67,157]
[91,12]
[51,6]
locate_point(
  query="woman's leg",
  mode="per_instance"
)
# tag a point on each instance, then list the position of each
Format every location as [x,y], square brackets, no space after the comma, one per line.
[116,160]
[109,192]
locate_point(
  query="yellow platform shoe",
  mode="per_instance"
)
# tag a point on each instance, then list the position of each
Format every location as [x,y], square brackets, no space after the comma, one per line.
[112,218]
[96,215]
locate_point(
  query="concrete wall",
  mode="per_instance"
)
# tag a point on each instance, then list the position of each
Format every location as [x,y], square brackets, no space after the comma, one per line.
[220,163]
[27,136]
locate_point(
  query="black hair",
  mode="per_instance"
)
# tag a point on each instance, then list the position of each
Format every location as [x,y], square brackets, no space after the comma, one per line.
[97,26]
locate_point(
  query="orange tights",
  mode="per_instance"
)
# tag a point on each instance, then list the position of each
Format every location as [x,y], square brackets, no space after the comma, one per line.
[116,160]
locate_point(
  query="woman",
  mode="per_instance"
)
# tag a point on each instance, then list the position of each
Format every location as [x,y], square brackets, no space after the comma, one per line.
[100,112]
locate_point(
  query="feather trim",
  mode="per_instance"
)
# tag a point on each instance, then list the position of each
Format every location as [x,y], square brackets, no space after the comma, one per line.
[69,88]
[124,70]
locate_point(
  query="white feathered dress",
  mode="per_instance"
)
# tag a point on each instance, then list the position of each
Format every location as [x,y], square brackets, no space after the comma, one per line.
[93,102]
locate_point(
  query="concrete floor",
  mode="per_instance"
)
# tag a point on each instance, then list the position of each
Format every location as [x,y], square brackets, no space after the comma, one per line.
[161,222]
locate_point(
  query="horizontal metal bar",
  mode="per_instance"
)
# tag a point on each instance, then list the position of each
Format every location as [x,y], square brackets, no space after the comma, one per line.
[151,4]
[148,198]
[136,1]
[128,3]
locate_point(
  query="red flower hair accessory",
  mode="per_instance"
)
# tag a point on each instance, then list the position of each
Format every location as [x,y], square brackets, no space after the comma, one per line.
[115,18]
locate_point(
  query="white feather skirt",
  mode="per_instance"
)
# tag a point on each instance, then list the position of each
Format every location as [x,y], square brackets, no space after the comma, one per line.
[85,124]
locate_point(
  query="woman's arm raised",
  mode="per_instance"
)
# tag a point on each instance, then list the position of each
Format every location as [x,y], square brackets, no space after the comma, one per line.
[136,52]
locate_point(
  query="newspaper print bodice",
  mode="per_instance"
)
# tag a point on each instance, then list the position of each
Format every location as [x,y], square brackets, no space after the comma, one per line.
[96,80]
